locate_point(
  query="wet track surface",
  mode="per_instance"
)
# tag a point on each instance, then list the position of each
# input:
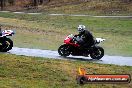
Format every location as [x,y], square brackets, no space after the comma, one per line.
[117,60]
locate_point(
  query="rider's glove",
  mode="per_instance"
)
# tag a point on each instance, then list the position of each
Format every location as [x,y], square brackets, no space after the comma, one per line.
[75,42]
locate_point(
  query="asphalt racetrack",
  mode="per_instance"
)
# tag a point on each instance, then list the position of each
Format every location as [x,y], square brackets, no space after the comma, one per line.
[117,60]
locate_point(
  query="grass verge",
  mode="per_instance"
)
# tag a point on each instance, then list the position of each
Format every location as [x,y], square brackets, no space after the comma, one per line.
[90,7]
[32,72]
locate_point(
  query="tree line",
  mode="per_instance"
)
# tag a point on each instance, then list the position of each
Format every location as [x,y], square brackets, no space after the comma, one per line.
[4,3]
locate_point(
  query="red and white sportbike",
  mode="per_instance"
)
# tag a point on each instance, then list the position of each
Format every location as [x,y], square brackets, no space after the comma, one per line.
[6,43]
[71,47]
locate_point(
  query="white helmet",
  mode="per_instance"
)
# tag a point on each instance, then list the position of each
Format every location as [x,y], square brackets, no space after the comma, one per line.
[81,28]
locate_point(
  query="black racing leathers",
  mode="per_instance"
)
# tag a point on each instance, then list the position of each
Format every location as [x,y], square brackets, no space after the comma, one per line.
[87,37]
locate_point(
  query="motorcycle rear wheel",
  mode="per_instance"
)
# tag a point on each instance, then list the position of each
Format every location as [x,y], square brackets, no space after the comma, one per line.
[63,50]
[97,53]
[9,45]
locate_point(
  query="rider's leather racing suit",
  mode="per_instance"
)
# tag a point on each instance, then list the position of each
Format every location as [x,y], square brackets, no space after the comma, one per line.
[87,37]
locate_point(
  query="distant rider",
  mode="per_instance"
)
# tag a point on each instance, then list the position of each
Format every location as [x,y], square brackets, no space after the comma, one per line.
[86,36]
[1,38]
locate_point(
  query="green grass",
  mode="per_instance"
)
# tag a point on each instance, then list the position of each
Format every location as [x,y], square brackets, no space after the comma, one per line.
[48,32]
[31,72]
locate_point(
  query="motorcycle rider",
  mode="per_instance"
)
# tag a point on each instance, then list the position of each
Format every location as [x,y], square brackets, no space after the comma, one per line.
[86,36]
[2,41]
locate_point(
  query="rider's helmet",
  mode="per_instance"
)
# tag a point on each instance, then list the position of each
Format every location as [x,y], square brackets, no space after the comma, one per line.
[81,28]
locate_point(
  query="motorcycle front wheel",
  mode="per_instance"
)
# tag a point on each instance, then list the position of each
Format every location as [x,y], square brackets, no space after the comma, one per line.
[63,50]
[97,53]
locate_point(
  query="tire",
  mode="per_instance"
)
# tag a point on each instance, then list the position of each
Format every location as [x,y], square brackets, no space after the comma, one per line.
[63,50]
[9,45]
[97,53]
